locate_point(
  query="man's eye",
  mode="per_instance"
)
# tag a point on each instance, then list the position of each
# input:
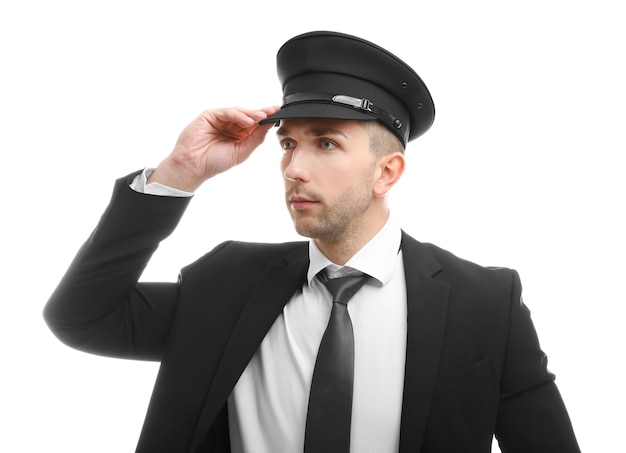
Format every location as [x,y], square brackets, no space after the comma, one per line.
[327,144]
[286,144]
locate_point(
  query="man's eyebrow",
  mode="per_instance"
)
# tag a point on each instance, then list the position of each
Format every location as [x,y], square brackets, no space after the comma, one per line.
[315,132]
[282,132]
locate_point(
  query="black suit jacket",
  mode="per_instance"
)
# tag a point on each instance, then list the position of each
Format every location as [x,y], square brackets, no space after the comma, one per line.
[473,364]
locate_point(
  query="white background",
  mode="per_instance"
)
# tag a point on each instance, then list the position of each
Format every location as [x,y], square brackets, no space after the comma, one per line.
[524,168]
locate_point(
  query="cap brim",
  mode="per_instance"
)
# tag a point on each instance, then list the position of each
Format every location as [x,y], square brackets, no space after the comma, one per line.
[317,110]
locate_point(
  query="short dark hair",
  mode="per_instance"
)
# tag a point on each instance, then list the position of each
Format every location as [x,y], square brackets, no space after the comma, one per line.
[382,140]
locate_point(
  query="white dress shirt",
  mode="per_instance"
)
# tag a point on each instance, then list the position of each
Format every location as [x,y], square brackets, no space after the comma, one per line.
[267,408]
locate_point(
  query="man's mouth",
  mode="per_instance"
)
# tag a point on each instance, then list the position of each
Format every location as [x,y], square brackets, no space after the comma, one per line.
[299,202]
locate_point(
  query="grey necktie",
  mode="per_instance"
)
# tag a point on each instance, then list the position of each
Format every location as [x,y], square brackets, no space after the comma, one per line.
[330,401]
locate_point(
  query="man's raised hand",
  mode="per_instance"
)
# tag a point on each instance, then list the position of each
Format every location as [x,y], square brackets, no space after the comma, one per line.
[214,142]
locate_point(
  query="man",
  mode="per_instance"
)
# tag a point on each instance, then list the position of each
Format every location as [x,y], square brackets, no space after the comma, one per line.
[443,352]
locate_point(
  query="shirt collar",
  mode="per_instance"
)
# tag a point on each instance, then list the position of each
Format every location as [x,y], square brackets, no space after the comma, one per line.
[377,258]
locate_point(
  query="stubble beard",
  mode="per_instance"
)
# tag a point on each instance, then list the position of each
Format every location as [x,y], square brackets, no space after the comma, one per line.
[338,221]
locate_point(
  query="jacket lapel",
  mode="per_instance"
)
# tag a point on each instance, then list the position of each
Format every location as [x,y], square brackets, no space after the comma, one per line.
[427,303]
[278,284]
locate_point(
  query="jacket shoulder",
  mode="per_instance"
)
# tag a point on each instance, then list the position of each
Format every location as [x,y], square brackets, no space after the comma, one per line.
[453,269]
[245,257]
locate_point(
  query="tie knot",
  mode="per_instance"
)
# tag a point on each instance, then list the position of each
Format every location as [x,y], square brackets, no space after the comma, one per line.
[344,284]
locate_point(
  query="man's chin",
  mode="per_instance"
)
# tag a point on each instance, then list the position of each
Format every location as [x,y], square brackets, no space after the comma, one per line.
[304,228]
[304,232]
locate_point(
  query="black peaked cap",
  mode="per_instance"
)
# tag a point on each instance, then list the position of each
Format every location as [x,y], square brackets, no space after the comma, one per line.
[327,74]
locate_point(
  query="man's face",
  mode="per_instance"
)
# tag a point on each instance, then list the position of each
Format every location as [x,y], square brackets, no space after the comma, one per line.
[329,174]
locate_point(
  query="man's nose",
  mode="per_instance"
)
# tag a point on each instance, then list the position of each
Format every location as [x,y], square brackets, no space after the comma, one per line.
[297,169]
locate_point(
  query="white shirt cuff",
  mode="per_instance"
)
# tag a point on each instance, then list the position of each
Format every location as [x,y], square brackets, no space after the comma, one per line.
[139,184]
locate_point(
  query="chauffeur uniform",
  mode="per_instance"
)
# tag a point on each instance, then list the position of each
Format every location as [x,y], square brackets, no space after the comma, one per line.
[474,367]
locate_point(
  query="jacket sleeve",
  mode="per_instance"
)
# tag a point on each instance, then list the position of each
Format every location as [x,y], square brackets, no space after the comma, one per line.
[532,416]
[99,307]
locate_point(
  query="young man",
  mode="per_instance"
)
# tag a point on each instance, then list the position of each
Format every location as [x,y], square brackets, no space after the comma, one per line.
[442,355]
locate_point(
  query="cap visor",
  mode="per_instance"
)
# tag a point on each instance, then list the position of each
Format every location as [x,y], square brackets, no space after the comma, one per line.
[317,110]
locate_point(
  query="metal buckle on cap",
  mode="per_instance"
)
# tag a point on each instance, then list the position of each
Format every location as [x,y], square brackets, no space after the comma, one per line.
[367,105]
[363,104]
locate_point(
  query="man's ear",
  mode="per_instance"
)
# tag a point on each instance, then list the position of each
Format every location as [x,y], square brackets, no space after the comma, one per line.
[391,168]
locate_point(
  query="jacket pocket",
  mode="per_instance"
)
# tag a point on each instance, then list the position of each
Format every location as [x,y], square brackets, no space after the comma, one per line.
[462,377]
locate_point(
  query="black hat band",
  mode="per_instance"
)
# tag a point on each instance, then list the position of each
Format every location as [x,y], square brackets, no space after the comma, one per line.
[358,103]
